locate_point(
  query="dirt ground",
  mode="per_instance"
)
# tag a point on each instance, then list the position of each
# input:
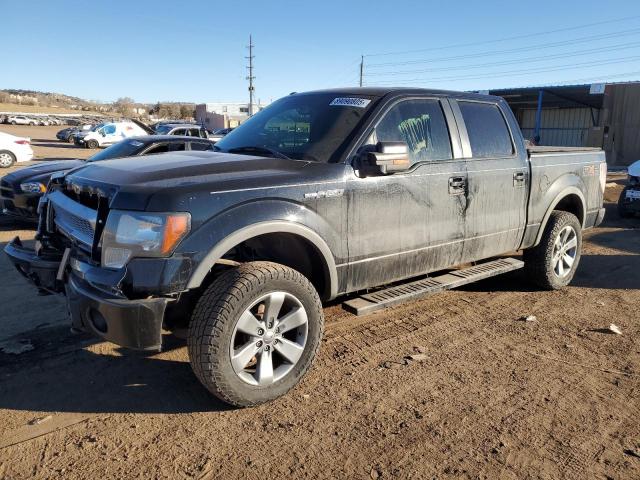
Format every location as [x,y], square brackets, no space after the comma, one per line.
[492,397]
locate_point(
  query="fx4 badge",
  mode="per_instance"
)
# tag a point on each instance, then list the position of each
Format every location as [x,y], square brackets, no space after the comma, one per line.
[325,194]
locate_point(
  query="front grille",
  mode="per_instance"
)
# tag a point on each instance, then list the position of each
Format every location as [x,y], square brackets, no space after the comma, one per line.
[74,220]
[6,189]
[78,227]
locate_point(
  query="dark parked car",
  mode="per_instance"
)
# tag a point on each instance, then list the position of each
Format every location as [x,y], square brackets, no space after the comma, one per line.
[629,201]
[319,195]
[66,134]
[21,190]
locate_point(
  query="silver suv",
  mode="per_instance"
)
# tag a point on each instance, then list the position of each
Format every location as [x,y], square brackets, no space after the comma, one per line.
[186,129]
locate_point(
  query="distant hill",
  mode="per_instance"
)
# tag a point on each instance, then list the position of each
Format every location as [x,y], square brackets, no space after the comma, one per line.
[31,101]
[48,102]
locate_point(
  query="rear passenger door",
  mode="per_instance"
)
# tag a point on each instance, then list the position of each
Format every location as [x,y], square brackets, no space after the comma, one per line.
[497,179]
[410,222]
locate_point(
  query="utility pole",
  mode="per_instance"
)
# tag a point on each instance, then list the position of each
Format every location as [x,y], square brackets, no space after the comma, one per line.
[361,68]
[251,77]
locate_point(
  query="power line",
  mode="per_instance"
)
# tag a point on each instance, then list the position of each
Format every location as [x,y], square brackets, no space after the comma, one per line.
[527,71]
[599,78]
[503,39]
[512,50]
[610,48]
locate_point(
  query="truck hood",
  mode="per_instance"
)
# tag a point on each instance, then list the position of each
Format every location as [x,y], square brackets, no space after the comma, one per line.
[131,182]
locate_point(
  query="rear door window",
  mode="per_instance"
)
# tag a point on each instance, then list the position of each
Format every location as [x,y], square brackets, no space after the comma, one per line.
[421,125]
[487,130]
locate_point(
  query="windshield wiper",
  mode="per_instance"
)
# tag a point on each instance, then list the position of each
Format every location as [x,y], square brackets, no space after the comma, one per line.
[259,150]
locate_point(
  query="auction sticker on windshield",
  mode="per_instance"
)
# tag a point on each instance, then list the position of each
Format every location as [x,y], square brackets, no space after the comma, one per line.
[350,102]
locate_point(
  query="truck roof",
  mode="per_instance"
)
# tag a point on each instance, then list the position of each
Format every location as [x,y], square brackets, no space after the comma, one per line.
[383,91]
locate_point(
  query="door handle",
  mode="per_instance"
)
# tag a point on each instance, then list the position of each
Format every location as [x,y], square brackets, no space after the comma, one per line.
[457,185]
[518,179]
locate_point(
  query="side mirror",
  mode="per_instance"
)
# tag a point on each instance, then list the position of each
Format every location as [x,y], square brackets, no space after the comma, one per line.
[390,157]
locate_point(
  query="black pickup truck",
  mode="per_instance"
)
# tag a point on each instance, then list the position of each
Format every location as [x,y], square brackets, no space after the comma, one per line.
[320,195]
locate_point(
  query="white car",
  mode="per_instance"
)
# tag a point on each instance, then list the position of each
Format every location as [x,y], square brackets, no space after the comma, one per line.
[21,120]
[108,133]
[14,149]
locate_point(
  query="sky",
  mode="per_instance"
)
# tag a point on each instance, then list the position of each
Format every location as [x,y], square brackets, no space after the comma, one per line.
[194,51]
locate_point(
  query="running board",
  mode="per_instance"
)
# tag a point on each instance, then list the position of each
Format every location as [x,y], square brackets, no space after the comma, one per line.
[371,302]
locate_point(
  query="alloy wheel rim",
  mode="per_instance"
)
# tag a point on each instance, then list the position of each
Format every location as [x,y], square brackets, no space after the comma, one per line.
[269,339]
[5,160]
[565,249]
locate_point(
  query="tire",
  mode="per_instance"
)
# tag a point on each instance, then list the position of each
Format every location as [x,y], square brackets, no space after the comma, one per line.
[70,139]
[13,122]
[92,144]
[216,332]
[6,159]
[544,266]
[622,209]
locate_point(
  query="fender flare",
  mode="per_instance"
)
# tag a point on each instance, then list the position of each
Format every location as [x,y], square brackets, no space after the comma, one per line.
[564,193]
[261,228]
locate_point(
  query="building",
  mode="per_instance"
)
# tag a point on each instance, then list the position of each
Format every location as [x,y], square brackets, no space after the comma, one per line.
[223,114]
[593,115]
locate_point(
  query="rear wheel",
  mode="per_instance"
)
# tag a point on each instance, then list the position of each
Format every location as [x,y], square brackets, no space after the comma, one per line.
[553,263]
[6,159]
[13,122]
[255,332]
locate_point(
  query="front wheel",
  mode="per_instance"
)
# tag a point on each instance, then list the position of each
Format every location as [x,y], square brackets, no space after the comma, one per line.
[255,332]
[92,144]
[553,263]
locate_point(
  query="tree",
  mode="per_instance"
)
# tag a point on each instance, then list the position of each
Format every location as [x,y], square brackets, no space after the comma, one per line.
[124,106]
[186,111]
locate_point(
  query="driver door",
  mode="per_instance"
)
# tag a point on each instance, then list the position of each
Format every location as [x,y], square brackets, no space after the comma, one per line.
[411,222]
[110,136]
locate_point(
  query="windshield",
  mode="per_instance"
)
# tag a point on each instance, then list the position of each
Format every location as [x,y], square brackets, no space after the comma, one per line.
[126,148]
[96,127]
[314,126]
[163,129]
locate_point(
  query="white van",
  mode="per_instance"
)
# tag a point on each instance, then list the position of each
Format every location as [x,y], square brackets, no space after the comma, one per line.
[108,134]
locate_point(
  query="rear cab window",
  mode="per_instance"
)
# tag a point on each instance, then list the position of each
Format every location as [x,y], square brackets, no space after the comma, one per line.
[487,129]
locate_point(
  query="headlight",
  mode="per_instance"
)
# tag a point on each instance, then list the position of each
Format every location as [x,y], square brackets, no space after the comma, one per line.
[33,187]
[139,234]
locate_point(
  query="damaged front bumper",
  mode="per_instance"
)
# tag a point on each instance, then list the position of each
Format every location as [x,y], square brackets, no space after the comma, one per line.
[134,324]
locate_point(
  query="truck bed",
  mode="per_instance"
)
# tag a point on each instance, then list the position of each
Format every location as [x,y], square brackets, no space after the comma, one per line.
[553,168]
